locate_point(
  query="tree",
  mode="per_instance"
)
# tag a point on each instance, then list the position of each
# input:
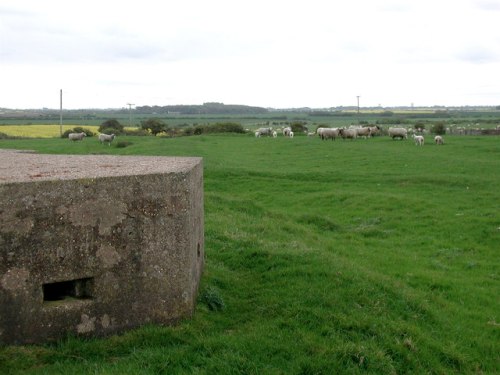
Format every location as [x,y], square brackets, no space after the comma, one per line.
[154,125]
[111,126]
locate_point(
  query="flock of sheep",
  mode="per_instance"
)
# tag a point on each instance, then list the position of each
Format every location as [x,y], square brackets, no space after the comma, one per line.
[103,138]
[352,132]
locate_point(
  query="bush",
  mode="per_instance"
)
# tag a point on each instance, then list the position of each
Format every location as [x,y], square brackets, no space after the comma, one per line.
[219,127]
[111,126]
[299,127]
[78,129]
[135,132]
[188,131]
[3,136]
[154,125]
[439,128]
[123,144]
[198,129]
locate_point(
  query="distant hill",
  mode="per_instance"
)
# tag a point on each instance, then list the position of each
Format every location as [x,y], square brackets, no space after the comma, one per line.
[211,108]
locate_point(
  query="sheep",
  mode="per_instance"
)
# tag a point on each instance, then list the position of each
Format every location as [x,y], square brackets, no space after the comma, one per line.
[438,140]
[348,133]
[419,140]
[374,130]
[329,133]
[76,136]
[401,133]
[360,131]
[319,131]
[257,134]
[275,134]
[264,131]
[106,138]
[286,131]
[290,134]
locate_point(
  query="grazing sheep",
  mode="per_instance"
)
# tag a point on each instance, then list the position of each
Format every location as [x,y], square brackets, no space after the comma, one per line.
[106,138]
[348,133]
[319,131]
[374,130]
[286,131]
[419,140]
[329,133]
[438,140]
[76,136]
[310,134]
[362,132]
[291,134]
[275,134]
[264,131]
[257,134]
[398,133]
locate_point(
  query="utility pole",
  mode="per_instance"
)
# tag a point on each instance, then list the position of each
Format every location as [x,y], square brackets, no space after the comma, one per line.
[358,103]
[60,113]
[130,114]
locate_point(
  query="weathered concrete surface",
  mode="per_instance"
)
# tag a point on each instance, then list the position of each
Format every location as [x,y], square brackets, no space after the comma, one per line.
[123,236]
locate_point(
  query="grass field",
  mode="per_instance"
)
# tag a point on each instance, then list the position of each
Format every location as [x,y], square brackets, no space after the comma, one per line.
[370,256]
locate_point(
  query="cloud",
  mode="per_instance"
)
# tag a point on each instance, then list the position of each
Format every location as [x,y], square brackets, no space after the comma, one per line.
[488,5]
[269,53]
[478,55]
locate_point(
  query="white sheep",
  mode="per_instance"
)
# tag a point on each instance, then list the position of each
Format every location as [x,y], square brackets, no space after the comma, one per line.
[329,133]
[438,140]
[290,134]
[257,134]
[76,136]
[419,140]
[319,131]
[348,133]
[106,138]
[398,133]
[286,131]
[275,134]
[264,131]
[362,132]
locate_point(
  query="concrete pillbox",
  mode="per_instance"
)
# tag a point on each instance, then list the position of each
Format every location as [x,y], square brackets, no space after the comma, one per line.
[92,245]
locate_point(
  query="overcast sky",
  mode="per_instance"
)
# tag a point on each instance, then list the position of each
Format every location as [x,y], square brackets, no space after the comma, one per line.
[269,53]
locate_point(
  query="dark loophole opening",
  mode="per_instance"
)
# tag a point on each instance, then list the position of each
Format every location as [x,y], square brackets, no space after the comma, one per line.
[198,250]
[79,289]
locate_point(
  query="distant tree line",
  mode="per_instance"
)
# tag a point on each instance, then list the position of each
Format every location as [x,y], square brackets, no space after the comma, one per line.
[205,109]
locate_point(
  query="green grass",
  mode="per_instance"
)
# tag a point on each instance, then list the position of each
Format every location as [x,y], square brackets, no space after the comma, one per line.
[371,256]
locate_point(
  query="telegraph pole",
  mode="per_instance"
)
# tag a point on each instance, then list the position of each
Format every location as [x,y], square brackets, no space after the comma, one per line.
[358,103]
[130,114]
[60,113]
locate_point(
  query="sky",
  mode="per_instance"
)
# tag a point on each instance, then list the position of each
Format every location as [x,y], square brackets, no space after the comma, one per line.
[267,53]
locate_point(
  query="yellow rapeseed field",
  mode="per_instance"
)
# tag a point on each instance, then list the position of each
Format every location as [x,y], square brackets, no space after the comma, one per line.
[40,131]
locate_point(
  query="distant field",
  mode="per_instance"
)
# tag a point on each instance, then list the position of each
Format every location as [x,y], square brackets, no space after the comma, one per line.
[39,131]
[476,118]
[367,256]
